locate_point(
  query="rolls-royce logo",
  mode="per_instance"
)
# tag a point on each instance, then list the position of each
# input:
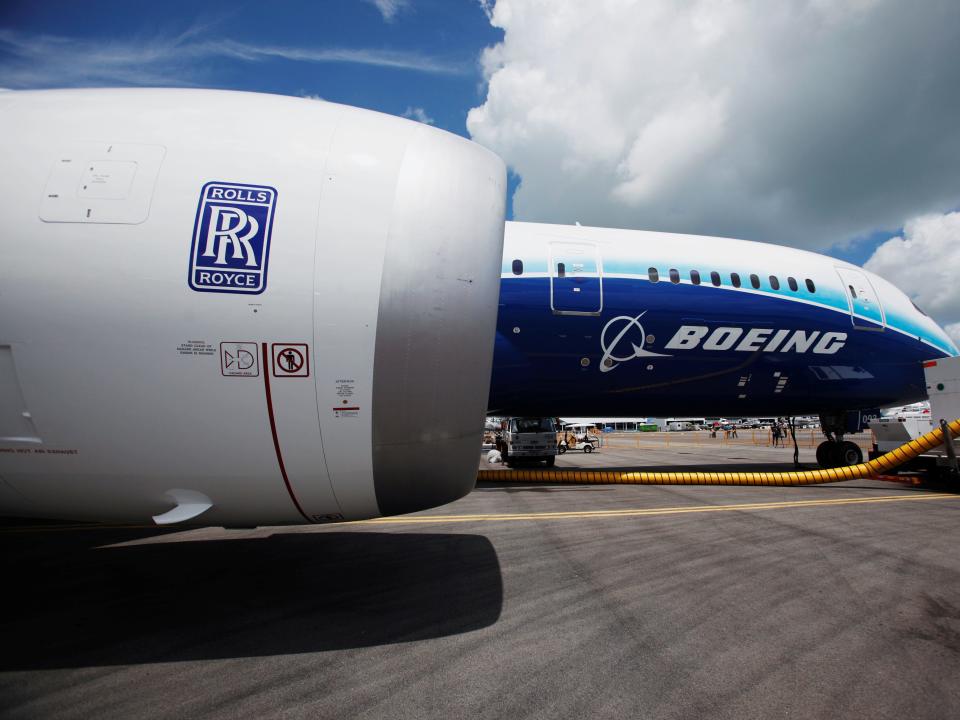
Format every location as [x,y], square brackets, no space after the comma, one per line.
[231,238]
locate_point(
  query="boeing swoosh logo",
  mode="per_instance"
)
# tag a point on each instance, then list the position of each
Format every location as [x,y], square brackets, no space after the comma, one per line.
[610,360]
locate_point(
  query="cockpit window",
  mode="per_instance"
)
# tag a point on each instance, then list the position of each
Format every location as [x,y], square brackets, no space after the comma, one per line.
[918,308]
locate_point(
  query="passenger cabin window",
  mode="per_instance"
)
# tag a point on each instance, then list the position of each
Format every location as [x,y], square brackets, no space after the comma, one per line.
[653,275]
[561,270]
[755,281]
[518,267]
[853,293]
[694,277]
[674,276]
[774,282]
[810,286]
[715,278]
[793,284]
[735,279]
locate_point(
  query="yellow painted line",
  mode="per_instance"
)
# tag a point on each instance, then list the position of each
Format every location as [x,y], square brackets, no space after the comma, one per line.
[645,512]
[568,515]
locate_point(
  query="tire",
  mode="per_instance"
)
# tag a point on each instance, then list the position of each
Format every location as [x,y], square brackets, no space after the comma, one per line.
[849,454]
[561,449]
[824,454]
[588,448]
[551,460]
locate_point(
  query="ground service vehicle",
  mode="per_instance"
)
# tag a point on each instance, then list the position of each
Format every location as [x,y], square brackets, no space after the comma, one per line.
[528,439]
[943,388]
[578,437]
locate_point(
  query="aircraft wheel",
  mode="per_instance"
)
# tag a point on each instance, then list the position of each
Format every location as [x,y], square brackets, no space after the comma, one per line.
[588,448]
[850,454]
[826,455]
[561,449]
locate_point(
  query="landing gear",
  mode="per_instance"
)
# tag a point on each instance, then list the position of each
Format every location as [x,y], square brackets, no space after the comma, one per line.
[835,451]
[826,455]
[850,453]
[838,453]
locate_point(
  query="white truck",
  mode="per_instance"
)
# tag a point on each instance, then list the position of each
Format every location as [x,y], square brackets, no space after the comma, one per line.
[528,439]
[890,432]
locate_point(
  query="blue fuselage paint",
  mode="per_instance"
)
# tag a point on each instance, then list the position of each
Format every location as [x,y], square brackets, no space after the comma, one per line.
[548,362]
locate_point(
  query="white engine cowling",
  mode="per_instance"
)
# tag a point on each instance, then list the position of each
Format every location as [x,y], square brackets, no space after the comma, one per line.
[240,309]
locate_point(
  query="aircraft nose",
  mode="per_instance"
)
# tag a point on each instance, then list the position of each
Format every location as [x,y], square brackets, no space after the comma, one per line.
[436,323]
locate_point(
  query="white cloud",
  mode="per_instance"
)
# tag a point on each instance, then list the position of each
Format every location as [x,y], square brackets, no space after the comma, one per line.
[805,122]
[184,59]
[924,262]
[487,7]
[390,8]
[953,330]
[362,56]
[418,114]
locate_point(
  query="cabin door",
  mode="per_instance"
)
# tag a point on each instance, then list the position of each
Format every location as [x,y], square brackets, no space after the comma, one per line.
[863,301]
[576,282]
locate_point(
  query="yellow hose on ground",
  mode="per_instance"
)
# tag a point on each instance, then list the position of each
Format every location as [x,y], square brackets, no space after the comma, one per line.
[870,469]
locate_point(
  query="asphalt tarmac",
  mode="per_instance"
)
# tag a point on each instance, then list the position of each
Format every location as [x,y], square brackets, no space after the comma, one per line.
[538,601]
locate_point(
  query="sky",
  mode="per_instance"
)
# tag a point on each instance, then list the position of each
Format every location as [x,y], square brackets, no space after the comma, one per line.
[830,125]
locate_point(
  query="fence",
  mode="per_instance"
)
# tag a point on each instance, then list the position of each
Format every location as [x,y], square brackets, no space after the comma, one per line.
[806,438]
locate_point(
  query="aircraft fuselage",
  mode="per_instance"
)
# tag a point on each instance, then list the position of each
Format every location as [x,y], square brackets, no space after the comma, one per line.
[620,322]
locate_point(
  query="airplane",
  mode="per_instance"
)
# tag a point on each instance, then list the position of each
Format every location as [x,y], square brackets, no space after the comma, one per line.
[598,321]
[224,308]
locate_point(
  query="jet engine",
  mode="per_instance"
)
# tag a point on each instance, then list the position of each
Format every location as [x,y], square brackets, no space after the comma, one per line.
[227,308]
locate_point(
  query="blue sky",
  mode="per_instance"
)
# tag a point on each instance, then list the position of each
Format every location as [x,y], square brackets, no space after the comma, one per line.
[423,59]
[424,56]
[418,60]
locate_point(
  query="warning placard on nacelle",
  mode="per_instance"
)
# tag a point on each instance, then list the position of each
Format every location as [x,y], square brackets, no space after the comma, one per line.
[291,360]
[239,359]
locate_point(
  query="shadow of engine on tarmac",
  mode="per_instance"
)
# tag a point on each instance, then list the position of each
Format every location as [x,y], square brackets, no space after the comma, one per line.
[74,603]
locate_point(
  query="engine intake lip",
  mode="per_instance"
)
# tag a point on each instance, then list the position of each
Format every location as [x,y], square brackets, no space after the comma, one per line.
[436,322]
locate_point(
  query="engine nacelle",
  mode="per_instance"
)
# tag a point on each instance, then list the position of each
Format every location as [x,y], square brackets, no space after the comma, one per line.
[238,309]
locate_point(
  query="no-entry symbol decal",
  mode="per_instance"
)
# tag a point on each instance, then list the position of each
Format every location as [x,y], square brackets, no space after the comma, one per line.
[291,360]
